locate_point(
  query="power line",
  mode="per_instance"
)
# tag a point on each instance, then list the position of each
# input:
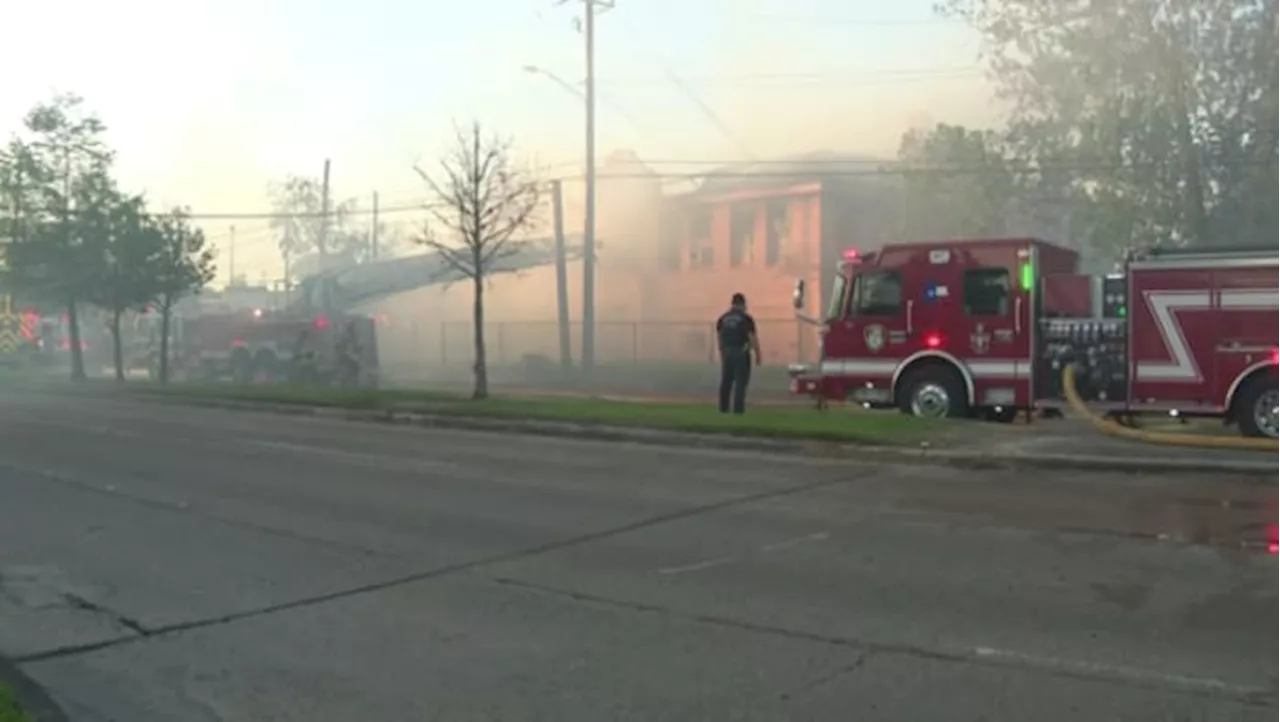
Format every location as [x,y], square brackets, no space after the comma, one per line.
[692,95]
[720,168]
[897,168]
[833,73]
[846,21]
[274,215]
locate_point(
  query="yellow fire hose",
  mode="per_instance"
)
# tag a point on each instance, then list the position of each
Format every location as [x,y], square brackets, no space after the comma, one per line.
[1111,428]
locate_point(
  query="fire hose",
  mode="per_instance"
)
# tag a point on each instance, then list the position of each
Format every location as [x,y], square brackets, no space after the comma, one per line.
[1112,428]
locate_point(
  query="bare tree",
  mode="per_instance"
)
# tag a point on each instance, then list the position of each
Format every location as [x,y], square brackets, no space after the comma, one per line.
[481,201]
[302,226]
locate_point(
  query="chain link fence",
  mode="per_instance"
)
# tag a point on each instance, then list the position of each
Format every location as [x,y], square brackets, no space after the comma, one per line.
[653,355]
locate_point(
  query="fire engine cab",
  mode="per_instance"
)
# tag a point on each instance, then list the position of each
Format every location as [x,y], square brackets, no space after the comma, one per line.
[985,327]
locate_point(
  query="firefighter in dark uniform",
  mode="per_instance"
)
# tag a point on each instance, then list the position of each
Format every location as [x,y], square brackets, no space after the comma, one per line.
[305,365]
[736,332]
[348,353]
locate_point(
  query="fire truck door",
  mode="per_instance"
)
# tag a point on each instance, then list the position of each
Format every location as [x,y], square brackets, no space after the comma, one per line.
[994,327]
[870,338]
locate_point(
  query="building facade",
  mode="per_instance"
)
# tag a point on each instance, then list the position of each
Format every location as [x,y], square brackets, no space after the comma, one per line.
[667,266]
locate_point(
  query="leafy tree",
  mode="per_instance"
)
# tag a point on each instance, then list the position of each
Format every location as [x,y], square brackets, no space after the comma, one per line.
[482,201]
[116,226]
[301,223]
[1151,121]
[53,256]
[957,182]
[183,265]
[18,183]
[353,242]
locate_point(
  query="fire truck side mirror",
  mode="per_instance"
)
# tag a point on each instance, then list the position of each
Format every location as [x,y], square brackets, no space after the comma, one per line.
[797,296]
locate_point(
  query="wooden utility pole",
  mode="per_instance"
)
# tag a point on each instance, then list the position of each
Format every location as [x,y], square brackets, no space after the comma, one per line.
[373,232]
[231,261]
[562,276]
[589,230]
[323,242]
[591,7]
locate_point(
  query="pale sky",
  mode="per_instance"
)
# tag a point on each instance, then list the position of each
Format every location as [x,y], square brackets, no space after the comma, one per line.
[209,100]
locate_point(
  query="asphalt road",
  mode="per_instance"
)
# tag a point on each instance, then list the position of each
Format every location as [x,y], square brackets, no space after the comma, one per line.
[168,563]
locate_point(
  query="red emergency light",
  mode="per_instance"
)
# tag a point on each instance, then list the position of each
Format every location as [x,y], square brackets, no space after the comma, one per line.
[932,340]
[850,255]
[322,322]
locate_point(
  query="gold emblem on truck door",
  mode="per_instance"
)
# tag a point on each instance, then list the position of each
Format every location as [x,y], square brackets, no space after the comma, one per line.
[980,340]
[874,336]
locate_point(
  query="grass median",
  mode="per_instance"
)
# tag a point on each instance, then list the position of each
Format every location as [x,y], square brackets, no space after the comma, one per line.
[10,710]
[836,424]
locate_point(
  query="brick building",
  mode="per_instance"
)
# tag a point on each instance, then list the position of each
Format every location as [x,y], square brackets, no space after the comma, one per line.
[760,228]
[667,264]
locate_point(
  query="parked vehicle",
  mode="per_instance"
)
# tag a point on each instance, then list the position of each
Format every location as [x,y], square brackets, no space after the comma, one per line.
[985,327]
[258,346]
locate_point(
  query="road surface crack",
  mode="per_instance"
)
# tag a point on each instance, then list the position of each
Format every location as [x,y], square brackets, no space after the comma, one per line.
[433,573]
[1192,686]
[825,679]
[76,601]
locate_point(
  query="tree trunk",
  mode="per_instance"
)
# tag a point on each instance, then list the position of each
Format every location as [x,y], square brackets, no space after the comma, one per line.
[117,353]
[1194,214]
[73,342]
[166,313]
[481,389]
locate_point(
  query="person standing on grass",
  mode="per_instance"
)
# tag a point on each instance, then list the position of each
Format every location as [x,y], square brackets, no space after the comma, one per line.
[736,332]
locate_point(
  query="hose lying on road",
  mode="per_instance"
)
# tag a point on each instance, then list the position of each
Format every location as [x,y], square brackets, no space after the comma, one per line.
[1111,428]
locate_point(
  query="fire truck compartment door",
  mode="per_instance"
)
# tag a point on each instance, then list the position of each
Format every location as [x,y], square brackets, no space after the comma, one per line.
[993,328]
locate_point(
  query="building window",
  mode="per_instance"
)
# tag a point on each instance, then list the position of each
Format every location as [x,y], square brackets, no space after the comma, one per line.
[878,294]
[742,222]
[672,243]
[986,292]
[777,228]
[700,224]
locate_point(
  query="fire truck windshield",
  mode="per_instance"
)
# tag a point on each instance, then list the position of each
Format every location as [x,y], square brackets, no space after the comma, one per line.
[834,303]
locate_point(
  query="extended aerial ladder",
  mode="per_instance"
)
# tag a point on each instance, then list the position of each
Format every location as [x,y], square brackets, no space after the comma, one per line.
[261,343]
[339,290]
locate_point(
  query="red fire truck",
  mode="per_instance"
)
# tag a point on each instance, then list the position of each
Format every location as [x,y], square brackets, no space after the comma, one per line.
[984,327]
[252,345]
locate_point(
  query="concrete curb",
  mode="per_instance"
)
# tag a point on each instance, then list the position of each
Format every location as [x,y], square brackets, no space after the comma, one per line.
[37,703]
[807,447]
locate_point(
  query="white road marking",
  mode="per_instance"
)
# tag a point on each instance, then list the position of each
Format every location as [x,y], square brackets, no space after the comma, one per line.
[1100,670]
[697,566]
[787,544]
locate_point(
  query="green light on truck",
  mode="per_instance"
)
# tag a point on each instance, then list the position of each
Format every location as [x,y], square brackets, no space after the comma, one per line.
[1027,277]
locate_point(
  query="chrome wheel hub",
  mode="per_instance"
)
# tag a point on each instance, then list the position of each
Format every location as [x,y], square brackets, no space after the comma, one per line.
[931,400]
[1265,413]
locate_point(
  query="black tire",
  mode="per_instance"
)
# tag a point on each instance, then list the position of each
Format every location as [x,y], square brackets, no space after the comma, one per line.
[933,391]
[241,366]
[266,367]
[1254,402]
